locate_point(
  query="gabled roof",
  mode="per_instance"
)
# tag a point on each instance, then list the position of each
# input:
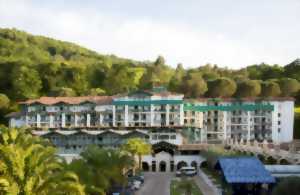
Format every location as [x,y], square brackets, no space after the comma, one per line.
[244,170]
[70,100]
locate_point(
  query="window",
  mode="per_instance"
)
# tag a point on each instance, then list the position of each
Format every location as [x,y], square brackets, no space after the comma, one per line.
[279,129]
[173,136]
[279,122]
[143,116]
[279,115]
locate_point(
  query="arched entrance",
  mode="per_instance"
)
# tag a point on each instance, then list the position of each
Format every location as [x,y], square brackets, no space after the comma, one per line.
[283,162]
[145,166]
[194,164]
[261,158]
[181,164]
[162,166]
[153,166]
[203,164]
[271,161]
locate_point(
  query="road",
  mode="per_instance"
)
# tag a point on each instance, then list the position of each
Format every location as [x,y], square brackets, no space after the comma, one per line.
[156,184]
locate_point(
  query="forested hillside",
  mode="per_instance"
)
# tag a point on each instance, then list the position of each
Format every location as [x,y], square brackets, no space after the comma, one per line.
[33,66]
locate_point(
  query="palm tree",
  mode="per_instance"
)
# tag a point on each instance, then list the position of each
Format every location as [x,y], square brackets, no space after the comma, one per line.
[29,166]
[100,168]
[139,147]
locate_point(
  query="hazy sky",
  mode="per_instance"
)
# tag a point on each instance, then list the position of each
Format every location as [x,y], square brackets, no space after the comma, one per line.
[232,33]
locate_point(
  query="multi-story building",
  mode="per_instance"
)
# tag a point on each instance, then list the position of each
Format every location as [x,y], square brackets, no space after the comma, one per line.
[217,119]
[140,109]
[161,118]
[248,119]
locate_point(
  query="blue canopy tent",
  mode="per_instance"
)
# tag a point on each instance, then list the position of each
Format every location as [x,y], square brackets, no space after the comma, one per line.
[246,175]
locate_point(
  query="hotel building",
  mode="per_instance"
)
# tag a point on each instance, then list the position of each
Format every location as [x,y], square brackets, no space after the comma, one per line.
[158,110]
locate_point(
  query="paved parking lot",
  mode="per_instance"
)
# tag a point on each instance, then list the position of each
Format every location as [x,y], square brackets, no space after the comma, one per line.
[156,184]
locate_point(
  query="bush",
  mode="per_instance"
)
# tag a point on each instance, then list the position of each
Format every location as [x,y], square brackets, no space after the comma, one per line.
[290,185]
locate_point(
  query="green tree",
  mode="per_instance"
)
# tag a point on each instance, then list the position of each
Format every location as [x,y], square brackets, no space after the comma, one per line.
[29,166]
[176,80]
[63,91]
[4,101]
[249,88]
[292,70]
[156,74]
[193,85]
[96,91]
[26,82]
[99,168]
[288,86]
[120,80]
[137,147]
[270,89]
[222,87]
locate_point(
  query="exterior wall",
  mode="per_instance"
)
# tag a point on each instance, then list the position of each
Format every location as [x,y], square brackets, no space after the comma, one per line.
[274,122]
[172,138]
[168,159]
[283,121]
[217,120]
[17,122]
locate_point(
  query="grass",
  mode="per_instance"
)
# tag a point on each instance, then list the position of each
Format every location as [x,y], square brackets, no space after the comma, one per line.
[216,179]
[297,110]
[175,191]
[213,174]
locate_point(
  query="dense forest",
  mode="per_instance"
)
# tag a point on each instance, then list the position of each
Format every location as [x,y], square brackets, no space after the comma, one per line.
[33,66]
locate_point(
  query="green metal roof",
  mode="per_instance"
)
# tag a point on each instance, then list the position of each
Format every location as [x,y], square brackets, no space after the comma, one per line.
[246,107]
[145,102]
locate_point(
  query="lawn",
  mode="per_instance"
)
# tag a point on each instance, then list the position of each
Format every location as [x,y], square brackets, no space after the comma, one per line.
[297,110]
[175,191]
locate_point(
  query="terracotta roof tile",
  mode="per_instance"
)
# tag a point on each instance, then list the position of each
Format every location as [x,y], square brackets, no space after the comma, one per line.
[70,100]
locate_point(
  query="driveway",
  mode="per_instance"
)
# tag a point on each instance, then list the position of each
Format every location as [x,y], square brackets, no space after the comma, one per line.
[156,183]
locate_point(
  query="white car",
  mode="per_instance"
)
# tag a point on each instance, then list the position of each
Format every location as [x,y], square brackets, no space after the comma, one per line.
[136,185]
[187,171]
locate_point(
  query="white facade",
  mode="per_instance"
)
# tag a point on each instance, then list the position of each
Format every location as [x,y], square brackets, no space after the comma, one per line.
[217,120]
[270,120]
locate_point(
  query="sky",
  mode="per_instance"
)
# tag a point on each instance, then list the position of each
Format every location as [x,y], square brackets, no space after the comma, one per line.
[230,33]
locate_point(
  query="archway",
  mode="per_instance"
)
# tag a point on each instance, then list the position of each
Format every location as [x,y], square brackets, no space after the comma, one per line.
[194,164]
[162,166]
[153,166]
[283,162]
[145,166]
[181,164]
[270,160]
[203,164]
[261,158]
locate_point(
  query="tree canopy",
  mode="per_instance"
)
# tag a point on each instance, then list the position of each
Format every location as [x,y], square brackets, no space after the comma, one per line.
[29,166]
[34,66]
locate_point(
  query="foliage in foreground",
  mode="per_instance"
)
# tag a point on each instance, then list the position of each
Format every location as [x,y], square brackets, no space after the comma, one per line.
[101,169]
[29,166]
[184,186]
[139,147]
[290,185]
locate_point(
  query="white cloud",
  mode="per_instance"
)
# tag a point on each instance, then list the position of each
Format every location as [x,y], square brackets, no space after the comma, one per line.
[138,38]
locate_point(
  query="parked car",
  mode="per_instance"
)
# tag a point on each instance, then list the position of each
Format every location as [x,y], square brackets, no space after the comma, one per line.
[186,171]
[135,184]
[138,178]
